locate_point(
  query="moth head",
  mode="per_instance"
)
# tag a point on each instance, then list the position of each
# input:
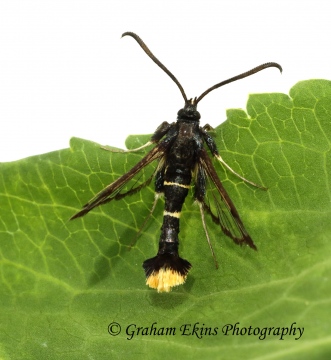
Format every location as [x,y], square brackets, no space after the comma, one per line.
[189,111]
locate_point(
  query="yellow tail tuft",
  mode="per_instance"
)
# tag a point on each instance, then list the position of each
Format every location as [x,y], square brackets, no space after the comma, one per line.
[165,271]
[164,279]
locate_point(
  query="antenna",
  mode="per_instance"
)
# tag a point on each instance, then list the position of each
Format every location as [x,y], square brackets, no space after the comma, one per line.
[241,76]
[157,61]
[196,100]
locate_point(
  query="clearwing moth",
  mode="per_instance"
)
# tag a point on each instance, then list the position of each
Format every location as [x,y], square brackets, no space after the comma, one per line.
[180,149]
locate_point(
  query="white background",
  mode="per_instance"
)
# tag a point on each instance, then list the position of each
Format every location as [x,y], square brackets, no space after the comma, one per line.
[65,71]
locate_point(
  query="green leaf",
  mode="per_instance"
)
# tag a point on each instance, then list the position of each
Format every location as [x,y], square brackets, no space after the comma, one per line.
[63,282]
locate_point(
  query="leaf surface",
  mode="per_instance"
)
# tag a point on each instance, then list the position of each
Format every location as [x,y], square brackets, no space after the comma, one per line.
[63,282]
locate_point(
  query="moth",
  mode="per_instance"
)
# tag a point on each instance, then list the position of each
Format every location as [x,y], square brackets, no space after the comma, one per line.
[182,160]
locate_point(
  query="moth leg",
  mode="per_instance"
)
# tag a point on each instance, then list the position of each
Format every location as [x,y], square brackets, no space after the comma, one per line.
[156,137]
[128,150]
[220,159]
[156,198]
[207,235]
[208,127]
[159,192]
[212,147]
[199,194]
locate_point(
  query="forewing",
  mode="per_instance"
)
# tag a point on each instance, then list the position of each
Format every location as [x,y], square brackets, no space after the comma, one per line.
[129,183]
[218,204]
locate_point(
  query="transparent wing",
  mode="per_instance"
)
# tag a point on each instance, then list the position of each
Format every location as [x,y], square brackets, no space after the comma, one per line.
[218,204]
[129,183]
